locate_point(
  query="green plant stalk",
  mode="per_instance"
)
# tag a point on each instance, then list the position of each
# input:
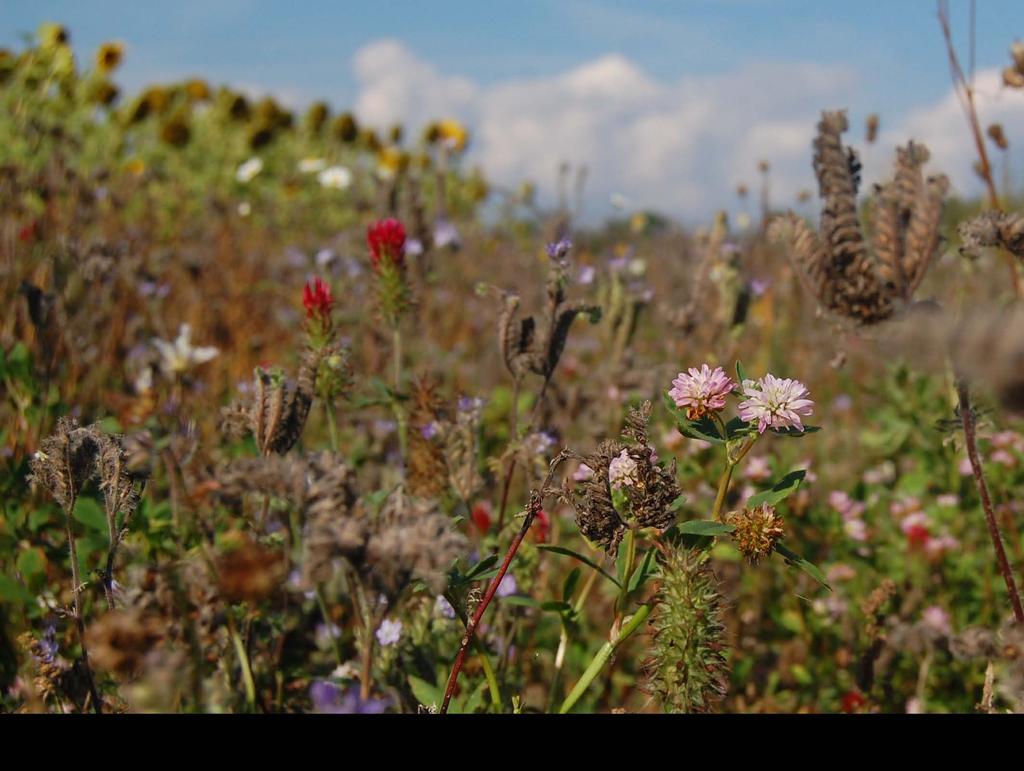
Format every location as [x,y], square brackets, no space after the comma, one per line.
[243,659]
[332,426]
[563,640]
[336,643]
[633,623]
[726,478]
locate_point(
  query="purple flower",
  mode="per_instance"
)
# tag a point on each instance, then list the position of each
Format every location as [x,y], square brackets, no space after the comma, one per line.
[429,431]
[389,632]
[327,698]
[559,249]
[444,608]
[583,473]
[445,235]
[587,274]
[507,586]
[759,286]
[701,391]
[775,403]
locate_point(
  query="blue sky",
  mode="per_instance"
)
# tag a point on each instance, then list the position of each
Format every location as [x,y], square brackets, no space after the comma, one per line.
[887,57]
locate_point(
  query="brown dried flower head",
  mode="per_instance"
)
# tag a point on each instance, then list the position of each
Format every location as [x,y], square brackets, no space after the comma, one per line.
[861,281]
[119,641]
[248,571]
[757,531]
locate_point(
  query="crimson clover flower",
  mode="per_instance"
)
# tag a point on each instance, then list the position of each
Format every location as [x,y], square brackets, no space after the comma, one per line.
[386,240]
[318,301]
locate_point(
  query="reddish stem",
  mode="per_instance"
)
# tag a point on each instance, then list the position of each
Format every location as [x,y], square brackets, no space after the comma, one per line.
[536,502]
[986,503]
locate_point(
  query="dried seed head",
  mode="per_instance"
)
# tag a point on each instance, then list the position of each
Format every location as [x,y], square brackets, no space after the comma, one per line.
[757,531]
[65,461]
[861,282]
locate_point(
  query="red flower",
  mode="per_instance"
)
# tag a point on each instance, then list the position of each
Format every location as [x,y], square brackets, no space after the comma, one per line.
[918,536]
[481,516]
[542,527]
[852,701]
[317,300]
[29,232]
[386,240]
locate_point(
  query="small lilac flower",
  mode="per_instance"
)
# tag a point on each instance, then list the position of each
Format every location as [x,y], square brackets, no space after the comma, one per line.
[583,473]
[617,264]
[856,529]
[949,500]
[413,247]
[507,587]
[324,257]
[759,286]
[702,391]
[445,235]
[1003,458]
[469,404]
[443,607]
[937,619]
[775,403]
[842,403]
[587,274]
[559,249]
[389,632]
[965,467]
[327,698]
[622,471]
[758,469]
[429,431]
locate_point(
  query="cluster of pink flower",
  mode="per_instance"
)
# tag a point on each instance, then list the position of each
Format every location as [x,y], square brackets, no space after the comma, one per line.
[851,511]
[919,528]
[770,402]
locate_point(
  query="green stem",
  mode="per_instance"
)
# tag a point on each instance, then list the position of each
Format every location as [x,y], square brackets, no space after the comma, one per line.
[327,620]
[603,654]
[563,640]
[723,489]
[332,426]
[243,659]
[630,545]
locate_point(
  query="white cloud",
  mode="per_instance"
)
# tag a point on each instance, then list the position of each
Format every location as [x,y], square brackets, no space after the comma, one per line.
[680,148]
[943,128]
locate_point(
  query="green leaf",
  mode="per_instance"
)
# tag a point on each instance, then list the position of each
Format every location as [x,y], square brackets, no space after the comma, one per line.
[677,504]
[577,556]
[810,568]
[648,567]
[741,374]
[571,581]
[738,427]
[12,591]
[31,562]
[705,527]
[481,567]
[704,429]
[554,606]
[89,513]
[790,431]
[518,599]
[782,489]
[425,693]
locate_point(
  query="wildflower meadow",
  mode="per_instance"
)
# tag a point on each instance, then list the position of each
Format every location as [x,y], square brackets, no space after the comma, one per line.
[304,414]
